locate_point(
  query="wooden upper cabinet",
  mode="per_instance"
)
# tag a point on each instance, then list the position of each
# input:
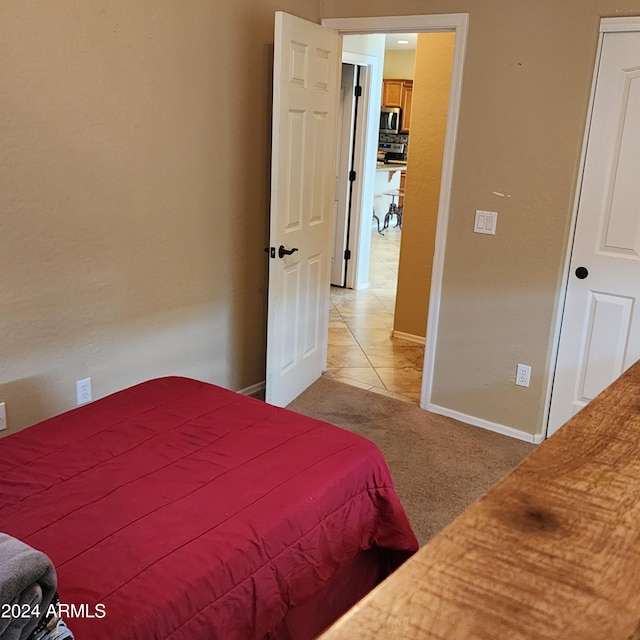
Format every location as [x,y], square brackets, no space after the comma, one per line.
[392,93]
[398,93]
[405,116]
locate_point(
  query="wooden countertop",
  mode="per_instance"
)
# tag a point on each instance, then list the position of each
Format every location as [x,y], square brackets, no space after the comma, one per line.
[552,551]
[381,166]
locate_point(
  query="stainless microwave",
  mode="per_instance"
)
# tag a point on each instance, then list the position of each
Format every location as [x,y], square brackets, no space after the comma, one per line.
[389,120]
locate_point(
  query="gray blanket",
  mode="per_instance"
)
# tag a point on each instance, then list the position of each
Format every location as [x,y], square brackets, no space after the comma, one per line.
[27,579]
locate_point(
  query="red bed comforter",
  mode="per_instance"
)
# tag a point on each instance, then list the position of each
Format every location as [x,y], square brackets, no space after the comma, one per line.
[191,512]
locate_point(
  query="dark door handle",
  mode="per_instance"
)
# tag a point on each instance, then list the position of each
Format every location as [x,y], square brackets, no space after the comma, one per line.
[582,273]
[285,252]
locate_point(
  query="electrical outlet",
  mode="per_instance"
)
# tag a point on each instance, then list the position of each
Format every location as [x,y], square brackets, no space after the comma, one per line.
[3,416]
[523,375]
[83,391]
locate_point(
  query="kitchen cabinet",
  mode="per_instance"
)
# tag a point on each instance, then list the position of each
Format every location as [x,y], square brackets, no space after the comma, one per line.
[405,116]
[392,93]
[398,93]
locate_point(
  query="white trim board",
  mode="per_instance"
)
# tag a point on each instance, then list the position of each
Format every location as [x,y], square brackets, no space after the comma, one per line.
[398,24]
[486,424]
[610,25]
[254,388]
[409,337]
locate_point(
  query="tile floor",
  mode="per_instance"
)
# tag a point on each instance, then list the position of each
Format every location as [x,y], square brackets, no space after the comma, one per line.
[361,350]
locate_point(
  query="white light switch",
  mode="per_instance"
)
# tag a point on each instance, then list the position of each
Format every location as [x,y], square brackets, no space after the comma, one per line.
[486,222]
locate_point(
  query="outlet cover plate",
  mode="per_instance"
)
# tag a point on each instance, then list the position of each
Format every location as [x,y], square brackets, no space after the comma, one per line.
[523,375]
[3,416]
[83,391]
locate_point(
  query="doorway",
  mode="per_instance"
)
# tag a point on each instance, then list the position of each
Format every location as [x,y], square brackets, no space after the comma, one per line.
[457,24]
[362,349]
[317,299]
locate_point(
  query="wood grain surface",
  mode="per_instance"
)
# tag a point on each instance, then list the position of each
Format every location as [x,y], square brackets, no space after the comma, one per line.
[552,551]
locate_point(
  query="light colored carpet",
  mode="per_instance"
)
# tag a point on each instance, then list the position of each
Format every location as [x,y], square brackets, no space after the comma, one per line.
[439,465]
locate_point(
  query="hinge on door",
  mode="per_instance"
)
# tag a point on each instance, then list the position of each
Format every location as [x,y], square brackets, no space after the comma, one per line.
[352,176]
[357,91]
[271,251]
[347,254]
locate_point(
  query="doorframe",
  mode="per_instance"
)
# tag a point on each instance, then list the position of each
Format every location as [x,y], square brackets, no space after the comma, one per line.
[364,151]
[459,24]
[607,25]
[344,158]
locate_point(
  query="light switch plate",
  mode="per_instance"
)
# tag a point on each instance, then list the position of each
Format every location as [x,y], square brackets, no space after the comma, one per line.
[486,222]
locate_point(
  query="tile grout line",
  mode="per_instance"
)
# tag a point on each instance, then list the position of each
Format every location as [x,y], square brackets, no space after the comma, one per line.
[362,350]
[392,246]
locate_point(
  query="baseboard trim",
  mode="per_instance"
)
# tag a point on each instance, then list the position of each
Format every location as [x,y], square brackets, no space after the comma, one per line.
[409,337]
[254,388]
[486,424]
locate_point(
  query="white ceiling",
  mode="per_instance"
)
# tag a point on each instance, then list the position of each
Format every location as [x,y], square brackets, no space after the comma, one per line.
[391,41]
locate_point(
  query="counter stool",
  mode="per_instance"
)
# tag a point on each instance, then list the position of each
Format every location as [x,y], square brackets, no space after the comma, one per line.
[375,217]
[394,209]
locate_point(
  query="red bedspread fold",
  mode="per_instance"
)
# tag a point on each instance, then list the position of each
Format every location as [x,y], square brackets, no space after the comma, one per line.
[190,512]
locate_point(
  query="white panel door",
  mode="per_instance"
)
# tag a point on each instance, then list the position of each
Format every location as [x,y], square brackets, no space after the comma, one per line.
[305,96]
[600,335]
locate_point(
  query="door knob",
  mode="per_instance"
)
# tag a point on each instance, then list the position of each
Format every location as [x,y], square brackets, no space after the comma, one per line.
[582,273]
[285,252]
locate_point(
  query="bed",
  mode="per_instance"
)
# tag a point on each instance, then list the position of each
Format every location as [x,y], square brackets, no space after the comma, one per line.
[176,509]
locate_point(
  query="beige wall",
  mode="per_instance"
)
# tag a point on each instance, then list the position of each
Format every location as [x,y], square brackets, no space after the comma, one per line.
[134,193]
[430,104]
[526,86]
[399,64]
[134,177]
